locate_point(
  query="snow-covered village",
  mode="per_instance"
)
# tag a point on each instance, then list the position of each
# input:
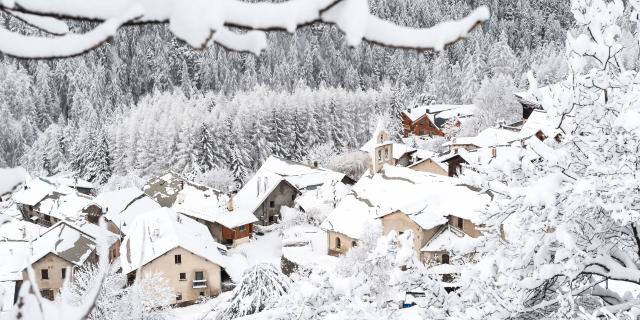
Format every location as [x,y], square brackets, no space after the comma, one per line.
[319,159]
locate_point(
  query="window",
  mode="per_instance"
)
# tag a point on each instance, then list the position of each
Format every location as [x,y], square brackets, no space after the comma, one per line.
[379,155]
[338,243]
[177,258]
[44,273]
[64,273]
[131,278]
[241,228]
[199,275]
[183,276]
[460,223]
[202,293]
[293,197]
[354,244]
[445,258]
[272,204]
[178,296]
[386,154]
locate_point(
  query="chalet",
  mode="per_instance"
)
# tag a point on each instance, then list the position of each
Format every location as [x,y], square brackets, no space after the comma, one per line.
[208,206]
[278,183]
[214,209]
[58,252]
[430,120]
[123,206]
[178,247]
[402,199]
[44,202]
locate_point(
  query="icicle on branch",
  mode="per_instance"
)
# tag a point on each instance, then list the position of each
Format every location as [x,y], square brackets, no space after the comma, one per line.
[201,22]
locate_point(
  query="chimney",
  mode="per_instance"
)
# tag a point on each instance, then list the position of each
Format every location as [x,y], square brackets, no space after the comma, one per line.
[258,185]
[230,203]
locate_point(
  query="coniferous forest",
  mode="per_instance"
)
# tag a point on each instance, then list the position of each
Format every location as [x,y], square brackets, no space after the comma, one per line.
[139,104]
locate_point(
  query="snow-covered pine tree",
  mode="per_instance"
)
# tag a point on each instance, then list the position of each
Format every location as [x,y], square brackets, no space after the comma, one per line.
[261,287]
[299,145]
[336,128]
[261,147]
[277,134]
[204,149]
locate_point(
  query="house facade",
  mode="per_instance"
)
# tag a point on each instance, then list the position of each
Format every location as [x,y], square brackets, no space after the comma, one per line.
[190,276]
[179,248]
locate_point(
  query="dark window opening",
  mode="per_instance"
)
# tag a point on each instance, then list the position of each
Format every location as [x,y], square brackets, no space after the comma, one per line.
[241,228]
[445,258]
[178,259]
[353,243]
[338,245]
[131,278]
[199,275]
[47,294]
[183,276]
[44,274]
[460,223]
[272,204]
[179,297]
[64,273]
[202,293]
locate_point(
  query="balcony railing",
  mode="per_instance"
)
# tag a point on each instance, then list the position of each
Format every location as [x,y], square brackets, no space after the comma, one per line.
[197,284]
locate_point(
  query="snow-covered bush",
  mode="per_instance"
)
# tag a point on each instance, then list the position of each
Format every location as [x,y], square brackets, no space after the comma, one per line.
[261,288]
[147,298]
[353,163]
[217,178]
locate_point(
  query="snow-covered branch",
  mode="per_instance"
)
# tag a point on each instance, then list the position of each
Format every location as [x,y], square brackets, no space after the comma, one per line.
[200,22]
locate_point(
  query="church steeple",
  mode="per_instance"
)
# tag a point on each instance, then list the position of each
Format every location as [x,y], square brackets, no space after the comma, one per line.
[381,149]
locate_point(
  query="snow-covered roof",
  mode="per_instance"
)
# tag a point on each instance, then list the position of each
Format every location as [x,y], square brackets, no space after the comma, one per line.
[300,175]
[12,178]
[256,190]
[164,189]
[489,137]
[13,229]
[210,205]
[425,197]
[124,205]
[14,255]
[323,199]
[67,207]
[542,121]
[71,242]
[37,189]
[542,96]
[440,113]
[450,240]
[156,232]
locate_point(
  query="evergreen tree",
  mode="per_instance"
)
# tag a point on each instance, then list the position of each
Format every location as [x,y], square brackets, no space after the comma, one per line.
[300,142]
[204,149]
[336,129]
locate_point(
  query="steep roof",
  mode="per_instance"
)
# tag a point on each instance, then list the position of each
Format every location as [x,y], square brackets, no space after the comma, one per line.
[37,189]
[209,205]
[71,242]
[67,207]
[425,197]
[124,205]
[155,233]
[440,113]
